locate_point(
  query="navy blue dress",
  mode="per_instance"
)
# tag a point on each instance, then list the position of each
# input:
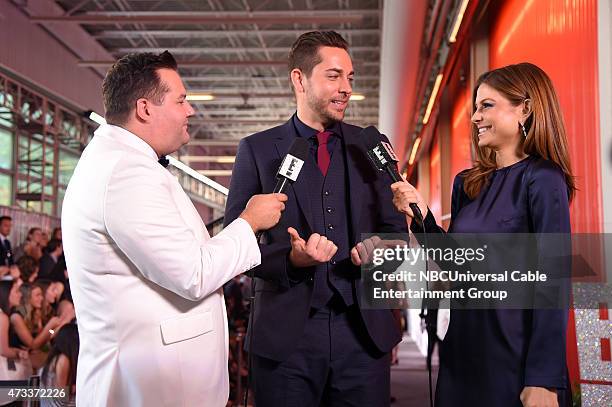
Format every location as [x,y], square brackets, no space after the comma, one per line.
[489,356]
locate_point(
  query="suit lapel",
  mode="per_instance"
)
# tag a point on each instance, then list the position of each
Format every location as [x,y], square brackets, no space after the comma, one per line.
[355,159]
[300,187]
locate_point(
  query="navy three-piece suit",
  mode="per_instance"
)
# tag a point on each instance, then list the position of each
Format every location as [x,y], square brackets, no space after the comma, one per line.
[308,324]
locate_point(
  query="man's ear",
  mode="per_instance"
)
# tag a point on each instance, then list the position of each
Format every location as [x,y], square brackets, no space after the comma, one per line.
[143,112]
[297,77]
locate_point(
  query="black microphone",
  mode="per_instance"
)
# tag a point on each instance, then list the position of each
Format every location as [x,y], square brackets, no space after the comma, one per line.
[290,168]
[292,164]
[383,158]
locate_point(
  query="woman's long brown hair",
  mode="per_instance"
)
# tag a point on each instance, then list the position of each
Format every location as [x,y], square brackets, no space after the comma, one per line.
[546,135]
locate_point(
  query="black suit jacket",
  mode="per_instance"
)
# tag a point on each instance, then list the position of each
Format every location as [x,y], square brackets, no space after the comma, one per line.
[282,293]
[4,255]
[46,267]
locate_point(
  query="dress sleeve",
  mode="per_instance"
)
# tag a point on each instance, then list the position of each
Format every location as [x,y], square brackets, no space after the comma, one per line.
[549,213]
[457,199]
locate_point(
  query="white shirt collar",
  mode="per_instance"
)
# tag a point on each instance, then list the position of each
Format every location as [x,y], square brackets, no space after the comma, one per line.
[124,136]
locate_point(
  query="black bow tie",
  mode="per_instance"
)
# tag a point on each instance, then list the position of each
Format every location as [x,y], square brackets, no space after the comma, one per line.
[164,161]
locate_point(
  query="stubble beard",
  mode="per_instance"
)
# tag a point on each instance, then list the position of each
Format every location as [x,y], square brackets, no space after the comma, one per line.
[320,107]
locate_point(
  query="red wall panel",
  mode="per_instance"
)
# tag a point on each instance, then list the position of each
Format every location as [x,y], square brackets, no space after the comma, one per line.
[561,38]
[461,126]
[435,184]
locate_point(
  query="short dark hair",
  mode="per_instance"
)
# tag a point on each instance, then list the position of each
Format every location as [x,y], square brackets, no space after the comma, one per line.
[53,244]
[32,230]
[27,266]
[132,77]
[304,53]
[3,218]
[5,290]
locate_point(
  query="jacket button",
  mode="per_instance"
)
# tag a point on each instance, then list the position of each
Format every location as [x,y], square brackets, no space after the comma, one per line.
[329,209]
[333,262]
[326,193]
[330,226]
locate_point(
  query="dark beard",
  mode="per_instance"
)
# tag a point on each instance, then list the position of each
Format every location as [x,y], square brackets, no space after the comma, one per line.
[319,106]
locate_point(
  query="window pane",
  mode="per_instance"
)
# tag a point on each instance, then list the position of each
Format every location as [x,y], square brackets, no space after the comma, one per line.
[60,200]
[6,116]
[5,189]
[6,149]
[48,207]
[67,163]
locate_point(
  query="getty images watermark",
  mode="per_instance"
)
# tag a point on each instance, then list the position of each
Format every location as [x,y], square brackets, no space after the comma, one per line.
[480,271]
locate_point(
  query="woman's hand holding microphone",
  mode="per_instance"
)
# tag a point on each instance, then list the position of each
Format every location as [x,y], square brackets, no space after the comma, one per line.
[403,195]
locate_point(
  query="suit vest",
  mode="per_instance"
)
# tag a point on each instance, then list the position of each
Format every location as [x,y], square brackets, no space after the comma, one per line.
[330,217]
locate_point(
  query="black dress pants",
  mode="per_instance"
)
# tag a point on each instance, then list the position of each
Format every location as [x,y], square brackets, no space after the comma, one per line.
[334,364]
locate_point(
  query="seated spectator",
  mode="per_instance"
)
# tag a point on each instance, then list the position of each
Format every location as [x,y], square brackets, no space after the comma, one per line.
[28,267]
[27,321]
[32,246]
[7,255]
[14,360]
[14,272]
[9,272]
[44,241]
[61,366]
[50,261]
[53,304]
[57,233]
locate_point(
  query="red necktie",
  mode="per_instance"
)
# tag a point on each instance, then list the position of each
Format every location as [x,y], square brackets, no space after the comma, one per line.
[322,151]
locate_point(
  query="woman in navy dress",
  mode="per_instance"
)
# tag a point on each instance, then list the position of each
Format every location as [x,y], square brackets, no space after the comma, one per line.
[521,182]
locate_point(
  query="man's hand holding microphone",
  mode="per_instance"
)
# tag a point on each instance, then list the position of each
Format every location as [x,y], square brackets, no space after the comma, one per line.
[264,211]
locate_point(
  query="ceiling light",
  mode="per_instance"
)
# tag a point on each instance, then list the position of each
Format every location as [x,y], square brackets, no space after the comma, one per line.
[357,96]
[453,35]
[200,97]
[224,159]
[95,117]
[195,174]
[415,148]
[432,98]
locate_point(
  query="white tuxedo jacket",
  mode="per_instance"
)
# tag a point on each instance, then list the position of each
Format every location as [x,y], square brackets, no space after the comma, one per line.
[146,280]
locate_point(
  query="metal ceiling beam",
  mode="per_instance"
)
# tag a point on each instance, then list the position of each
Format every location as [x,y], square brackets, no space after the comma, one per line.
[258,121]
[214,17]
[234,78]
[278,112]
[216,173]
[212,143]
[204,63]
[240,91]
[107,34]
[222,50]
[220,159]
[195,64]
[236,121]
[251,95]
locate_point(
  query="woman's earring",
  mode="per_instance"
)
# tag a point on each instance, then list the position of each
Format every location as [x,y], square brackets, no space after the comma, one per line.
[523,130]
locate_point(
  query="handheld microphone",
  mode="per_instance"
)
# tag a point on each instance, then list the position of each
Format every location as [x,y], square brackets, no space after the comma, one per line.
[383,158]
[290,168]
[292,164]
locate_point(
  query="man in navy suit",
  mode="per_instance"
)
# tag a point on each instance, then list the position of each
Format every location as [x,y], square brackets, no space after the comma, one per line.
[312,344]
[6,251]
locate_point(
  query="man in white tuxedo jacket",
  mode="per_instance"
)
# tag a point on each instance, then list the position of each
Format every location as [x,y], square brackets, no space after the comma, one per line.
[146,278]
